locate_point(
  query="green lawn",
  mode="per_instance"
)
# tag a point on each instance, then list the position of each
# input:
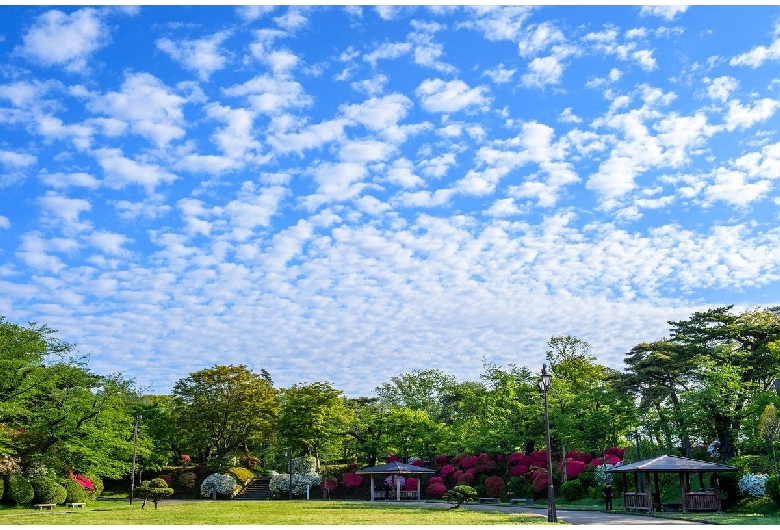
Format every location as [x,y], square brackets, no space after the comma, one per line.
[205,512]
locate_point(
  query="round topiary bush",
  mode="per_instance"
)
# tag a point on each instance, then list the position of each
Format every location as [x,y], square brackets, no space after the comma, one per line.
[188,480]
[75,493]
[18,489]
[772,487]
[241,474]
[48,491]
[573,490]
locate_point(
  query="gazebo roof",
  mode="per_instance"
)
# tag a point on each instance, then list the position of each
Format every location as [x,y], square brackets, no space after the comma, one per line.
[671,464]
[395,468]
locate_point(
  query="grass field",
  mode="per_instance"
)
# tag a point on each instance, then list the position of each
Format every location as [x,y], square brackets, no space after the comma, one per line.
[204,512]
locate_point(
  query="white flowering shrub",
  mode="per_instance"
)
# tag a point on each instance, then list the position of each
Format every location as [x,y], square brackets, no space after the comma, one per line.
[217,483]
[714,449]
[412,460]
[280,482]
[601,476]
[753,485]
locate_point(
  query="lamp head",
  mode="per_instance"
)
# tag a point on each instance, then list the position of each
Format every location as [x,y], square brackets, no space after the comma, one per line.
[544,383]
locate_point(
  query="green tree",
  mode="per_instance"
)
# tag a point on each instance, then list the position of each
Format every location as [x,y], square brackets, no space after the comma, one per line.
[154,490]
[770,430]
[312,417]
[424,390]
[223,408]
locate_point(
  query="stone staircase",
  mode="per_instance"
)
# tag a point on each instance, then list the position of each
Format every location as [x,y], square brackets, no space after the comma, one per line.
[258,490]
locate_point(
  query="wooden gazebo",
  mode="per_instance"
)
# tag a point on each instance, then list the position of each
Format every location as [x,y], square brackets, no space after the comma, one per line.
[705,499]
[395,468]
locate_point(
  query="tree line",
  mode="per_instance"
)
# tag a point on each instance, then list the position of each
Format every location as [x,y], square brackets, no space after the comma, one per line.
[711,383]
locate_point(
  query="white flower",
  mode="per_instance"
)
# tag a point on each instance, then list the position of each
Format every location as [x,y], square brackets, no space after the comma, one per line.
[601,475]
[223,484]
[280,482]
[753,485]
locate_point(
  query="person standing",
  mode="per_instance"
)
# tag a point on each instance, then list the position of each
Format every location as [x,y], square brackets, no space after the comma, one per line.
[607,492]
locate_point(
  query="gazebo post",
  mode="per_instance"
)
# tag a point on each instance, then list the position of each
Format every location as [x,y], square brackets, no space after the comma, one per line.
[683,477]
[717,490]
[657,488]
[398,488]
[649,493]
[419,479]
[372,487]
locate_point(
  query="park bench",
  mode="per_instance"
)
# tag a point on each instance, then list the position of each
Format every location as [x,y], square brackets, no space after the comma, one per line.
[515,502]
[42,506]
[489,500]
[76,504]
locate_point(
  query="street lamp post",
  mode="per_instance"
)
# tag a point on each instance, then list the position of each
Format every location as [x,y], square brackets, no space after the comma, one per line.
[544,386]
[634,435]
[135,444]
[289,470]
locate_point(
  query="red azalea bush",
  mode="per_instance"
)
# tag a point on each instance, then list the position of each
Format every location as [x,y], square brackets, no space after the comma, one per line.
[167,478]
[607,459]
[467,477]
[516,459]
[418,463]
[447,470]
[468,462]
[456,476]
[352,480]
[410,484]
[494,486]
[441,460]
[538,458]
[484,463]
[617,451]
[540,480]
[185,459]
[435,480]
[328,484]
[83,481]
[573,468]
[580,457]
[352,466]
[392,458]
[436,490]
[518,470]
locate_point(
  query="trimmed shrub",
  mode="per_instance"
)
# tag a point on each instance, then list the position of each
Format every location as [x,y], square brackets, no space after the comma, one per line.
[772,487]
[18,489]
[573,490]
[436,490]
[187,480]
[48,491]
[494,486]
[155,490]
[74,491]
[241,474]
[460,494]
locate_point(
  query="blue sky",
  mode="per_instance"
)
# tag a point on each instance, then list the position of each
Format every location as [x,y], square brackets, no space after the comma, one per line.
[345,194]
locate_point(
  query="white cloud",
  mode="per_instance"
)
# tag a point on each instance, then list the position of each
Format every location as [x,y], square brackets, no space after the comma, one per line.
[500,74]
[401,173]
[743,116]
[271,95]
[731,187]
[152,109]
[201,55]
[121,171]
[292,20]
[388,50]
[503,208]
[758,55]
[497,23]
[567,116]
[70,180]
[109,242]
[721,88]
[4,222]
[12,159]
[539,38]
[59,39]
[253,12]
[437,95]
[543,71]
[65,209]
[373,86]
[668,12]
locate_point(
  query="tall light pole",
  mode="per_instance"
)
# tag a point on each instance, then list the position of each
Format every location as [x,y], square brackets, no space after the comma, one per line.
[289,469]
[135,444]
[544,386]
[631,436]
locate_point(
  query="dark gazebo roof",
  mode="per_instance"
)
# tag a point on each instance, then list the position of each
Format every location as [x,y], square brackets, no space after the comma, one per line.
[666,463]
[395,468]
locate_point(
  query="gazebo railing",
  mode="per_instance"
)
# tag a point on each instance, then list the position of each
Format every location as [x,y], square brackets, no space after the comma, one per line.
[636,501]
[701,501]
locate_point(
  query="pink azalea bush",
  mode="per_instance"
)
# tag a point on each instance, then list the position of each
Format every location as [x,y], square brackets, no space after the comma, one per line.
[352,480]
[392,458]
[436,490]
[518,470]
[83,481]
[327,484]
[447,470]
[616,451]
[411,484]
[484,463]
[418,463]
[494,486]
[435,480]
[573,467]
[441,460]
[167,478]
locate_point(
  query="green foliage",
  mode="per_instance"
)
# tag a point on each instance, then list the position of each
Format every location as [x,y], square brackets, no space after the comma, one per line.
[18,489]
[242,475]
[74,491]
[460,494]
[188,480]
[222,408]
[48,491]
[573,490]
[154,490]
[2,486]
[773,487]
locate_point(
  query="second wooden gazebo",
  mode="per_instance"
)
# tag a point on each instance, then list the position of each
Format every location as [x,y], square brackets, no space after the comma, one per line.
[705,499]
[395,468]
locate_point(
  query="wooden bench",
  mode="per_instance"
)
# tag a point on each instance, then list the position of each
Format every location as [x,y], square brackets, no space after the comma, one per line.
[42,506]
[489,500]
[76,504]
[515,502]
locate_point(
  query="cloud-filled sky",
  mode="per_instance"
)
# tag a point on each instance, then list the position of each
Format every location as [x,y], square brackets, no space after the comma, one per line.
[345,194]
